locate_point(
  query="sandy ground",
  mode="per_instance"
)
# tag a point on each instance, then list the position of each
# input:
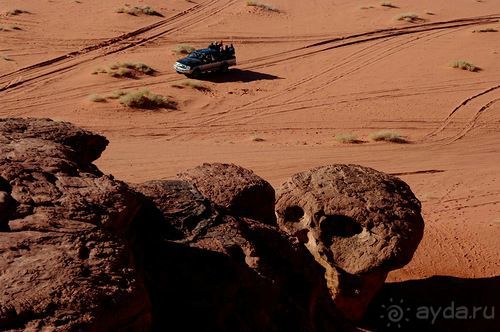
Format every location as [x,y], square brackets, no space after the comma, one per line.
[313,70]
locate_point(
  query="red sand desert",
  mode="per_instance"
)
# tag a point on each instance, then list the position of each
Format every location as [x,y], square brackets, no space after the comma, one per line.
[311,71]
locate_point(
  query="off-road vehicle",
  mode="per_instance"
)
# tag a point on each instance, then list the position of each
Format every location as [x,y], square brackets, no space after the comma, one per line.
[216,57]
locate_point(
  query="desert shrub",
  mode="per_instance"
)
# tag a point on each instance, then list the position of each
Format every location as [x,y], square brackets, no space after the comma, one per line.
[387,136]
[183,49]
[125,69]
[408,17]
[135,11]
[116,94]
[15,12]
[388,4]
[464,65]
[150,11]
[122,72]
[9,28]
[347,138]
[146,99]
[137,99]
[256,137]
[366,7]
[97,98]
[486,30]
[6,58]
[264,6]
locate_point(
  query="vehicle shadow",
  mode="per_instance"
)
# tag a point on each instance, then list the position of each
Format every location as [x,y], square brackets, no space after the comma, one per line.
[237,75]
[438,303]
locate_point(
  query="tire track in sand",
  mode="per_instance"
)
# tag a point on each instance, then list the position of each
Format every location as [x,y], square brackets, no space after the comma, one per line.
[459,109]
[54,66]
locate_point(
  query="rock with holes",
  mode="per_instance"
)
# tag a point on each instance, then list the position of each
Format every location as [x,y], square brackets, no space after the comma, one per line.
[358,223]
[235,190]
[65,260]
[232,273]
[80,250]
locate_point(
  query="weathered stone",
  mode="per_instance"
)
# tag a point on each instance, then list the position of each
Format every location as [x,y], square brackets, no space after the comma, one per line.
[80,250]
[65,261]
[357,222]
[231,273]
[86,145]
[234,189]
[71,279]
[182,209]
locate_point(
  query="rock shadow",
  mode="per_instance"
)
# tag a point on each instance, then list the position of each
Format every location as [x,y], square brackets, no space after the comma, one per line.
[438,303]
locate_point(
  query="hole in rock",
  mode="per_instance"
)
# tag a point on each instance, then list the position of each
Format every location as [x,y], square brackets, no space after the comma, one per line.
[338,226]
[293,213]
[83,252]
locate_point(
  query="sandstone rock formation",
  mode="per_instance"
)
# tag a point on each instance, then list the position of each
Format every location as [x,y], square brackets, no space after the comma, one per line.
[234,272]
[64,261]
[357,222]
[80,250]
[234,189]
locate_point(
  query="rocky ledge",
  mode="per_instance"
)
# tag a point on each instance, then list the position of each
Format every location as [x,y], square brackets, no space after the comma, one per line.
[209,250]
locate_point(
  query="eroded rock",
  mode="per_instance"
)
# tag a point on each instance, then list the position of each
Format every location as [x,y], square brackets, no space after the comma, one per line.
[86,145]
[64,254]
[357,222]
[80,250]
[232,273]
[234,189]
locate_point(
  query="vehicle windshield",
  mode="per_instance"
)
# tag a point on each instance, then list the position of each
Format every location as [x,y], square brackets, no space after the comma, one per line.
[195,54]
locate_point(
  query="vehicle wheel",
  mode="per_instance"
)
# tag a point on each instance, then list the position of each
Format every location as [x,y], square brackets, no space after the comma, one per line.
[196,73]
[224,68]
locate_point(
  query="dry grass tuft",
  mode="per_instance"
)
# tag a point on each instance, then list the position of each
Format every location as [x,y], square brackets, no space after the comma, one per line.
[347,138]
[125,69]
[264,6]
[137,99]
[135,11]
[387,136]
[116,94]
[464,65]
[6,58]
[15,12]
[409,17]
[183,49]
[388,4]
[97,98]
[486,30]
[9,28]
[146,100]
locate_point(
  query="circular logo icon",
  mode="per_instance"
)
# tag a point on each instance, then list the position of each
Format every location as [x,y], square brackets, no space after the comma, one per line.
[395,313]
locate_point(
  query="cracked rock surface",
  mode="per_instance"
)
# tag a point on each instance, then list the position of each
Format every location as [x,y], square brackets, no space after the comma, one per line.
[64,260]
